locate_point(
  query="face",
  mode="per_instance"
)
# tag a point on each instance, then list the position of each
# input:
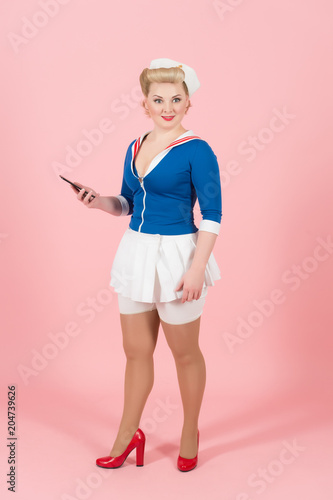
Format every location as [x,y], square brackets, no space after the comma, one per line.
[166,100]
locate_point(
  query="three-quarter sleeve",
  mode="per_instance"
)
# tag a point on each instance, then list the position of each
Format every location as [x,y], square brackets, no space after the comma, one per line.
[126,194]
[205,175]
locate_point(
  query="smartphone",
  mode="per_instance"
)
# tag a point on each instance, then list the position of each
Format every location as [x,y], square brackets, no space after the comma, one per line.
[75,186]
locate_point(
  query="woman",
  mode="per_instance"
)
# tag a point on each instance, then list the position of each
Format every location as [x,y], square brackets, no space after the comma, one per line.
[164,263]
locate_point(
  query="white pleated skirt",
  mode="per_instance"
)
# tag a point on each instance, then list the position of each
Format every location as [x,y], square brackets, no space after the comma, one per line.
[148,267]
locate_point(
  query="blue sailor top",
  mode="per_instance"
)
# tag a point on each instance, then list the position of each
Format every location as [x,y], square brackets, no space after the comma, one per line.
[162,201]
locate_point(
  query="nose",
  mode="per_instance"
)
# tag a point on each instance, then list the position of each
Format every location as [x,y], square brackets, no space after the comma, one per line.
[168,107]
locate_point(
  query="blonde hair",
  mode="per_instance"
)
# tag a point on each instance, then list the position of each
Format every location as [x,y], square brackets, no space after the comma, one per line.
[161,75]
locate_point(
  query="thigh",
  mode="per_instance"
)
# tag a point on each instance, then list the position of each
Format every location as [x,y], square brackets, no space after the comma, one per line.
[183,339]
[140,325]
[181,325]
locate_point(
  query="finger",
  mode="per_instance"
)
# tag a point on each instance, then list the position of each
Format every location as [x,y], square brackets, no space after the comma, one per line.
[81,194]
[88,199]
[91,196]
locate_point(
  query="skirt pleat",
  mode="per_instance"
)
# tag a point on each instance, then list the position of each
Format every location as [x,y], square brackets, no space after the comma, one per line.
[148,267]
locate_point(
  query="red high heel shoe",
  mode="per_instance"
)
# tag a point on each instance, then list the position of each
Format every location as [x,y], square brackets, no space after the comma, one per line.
[187,464]
[138,441]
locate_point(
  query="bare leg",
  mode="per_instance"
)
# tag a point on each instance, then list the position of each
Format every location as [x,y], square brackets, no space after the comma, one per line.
[191,373]
[140,332]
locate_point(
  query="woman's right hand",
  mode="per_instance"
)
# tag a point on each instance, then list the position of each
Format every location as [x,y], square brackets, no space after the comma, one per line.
[87,200]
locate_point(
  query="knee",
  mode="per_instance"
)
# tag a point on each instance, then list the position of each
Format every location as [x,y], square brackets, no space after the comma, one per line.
[183,357]
[134,352]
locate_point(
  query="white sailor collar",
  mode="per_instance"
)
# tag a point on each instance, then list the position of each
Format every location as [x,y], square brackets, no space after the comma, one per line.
[185,137]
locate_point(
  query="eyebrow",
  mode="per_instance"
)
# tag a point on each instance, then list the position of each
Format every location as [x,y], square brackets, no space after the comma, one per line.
[155,95]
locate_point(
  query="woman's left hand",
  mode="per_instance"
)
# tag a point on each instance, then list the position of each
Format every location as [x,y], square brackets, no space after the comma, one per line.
[192,283]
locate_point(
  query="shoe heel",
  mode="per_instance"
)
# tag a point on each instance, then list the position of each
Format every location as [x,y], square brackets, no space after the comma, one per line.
[140,449]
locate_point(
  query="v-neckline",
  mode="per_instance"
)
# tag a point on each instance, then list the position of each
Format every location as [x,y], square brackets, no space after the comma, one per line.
[164,151]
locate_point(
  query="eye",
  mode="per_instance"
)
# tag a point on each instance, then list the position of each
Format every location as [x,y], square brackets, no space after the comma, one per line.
[177,99]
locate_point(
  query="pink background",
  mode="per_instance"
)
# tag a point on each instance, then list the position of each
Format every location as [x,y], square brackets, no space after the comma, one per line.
[269,386]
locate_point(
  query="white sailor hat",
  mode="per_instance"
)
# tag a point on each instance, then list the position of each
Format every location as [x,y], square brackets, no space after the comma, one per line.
[191,78]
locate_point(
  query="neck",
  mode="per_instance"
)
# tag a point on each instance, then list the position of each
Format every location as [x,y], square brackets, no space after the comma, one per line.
[159,134]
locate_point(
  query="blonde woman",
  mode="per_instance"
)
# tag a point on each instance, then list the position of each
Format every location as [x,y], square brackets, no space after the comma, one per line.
[164,264]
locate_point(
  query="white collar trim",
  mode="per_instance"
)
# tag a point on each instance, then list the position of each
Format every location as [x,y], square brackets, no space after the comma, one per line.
[185,137]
